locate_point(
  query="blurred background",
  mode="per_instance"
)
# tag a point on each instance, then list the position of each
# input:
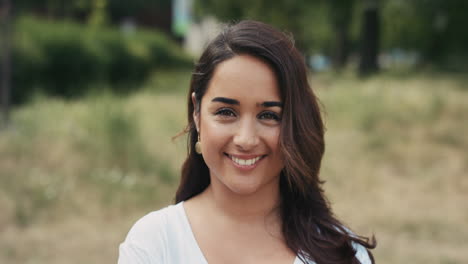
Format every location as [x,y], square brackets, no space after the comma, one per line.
[92,92]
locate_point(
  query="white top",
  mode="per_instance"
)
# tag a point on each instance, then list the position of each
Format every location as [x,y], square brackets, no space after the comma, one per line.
[165,237]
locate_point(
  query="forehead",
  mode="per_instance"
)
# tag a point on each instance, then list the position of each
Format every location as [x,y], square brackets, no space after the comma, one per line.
[244,78]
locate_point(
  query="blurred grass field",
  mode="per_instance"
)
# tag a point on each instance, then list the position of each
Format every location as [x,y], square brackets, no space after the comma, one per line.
[75,175]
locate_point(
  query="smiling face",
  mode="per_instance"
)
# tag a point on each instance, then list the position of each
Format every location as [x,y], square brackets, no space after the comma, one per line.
[239,125]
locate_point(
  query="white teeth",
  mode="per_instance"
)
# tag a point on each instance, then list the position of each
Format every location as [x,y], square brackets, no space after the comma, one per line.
[243,162]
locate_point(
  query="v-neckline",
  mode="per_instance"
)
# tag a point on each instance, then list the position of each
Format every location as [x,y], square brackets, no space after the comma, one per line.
[194,241]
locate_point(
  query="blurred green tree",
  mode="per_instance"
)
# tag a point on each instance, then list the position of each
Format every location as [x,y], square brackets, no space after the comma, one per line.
[435,28]
[289,15]
[5,61]
[149,13]
[98,14]
[318,25]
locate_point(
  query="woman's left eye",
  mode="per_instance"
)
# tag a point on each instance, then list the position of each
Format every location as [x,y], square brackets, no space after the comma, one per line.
[269,116]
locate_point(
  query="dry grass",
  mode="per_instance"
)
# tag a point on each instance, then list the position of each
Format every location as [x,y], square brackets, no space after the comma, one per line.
[397,164]
[75,175]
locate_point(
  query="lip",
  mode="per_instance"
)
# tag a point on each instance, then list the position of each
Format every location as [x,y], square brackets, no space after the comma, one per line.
[245,157]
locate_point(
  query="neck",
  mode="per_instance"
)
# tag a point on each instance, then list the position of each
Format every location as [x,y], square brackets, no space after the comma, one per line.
[244,208]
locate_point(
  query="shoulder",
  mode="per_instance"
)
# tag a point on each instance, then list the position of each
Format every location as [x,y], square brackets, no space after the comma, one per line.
[146,240]
[152,225]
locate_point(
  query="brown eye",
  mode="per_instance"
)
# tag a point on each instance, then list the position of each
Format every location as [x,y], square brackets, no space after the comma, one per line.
[225,112]
[269,116]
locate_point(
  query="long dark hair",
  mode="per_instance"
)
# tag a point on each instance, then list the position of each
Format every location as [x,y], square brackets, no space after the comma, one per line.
[309,227]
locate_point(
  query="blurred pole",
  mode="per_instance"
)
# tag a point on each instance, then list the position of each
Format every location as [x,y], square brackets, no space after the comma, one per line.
[181,18]
[6,62]
[370,34]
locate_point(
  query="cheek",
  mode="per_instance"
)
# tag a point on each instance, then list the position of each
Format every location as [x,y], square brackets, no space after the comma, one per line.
[271,136]
[214,136]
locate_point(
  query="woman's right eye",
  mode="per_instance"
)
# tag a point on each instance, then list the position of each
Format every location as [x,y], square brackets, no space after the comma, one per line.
[225,112]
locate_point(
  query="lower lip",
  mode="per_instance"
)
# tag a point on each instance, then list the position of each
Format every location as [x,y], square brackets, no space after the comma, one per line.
[246,167]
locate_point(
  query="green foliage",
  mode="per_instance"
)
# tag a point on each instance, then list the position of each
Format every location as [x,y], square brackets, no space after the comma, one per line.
[278,13]
[435,28]
[65,58]
[124,8]
[98,16]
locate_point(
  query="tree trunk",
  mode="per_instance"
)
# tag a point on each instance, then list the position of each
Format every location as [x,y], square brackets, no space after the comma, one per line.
[370,34]
[5,62]
[341,51]
[341,16]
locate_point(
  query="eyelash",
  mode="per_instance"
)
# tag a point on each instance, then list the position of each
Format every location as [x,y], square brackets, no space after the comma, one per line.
[226,112]
[272,115]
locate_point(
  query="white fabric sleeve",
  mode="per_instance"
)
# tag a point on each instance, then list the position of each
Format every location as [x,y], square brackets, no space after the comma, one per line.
[361,254]
[145,242]
[130,253]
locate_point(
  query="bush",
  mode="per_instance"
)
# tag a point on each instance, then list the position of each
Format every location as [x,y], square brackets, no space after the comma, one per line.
[65,58]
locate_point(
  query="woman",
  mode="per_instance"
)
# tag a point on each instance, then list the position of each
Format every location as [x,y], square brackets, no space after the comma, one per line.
[250,190]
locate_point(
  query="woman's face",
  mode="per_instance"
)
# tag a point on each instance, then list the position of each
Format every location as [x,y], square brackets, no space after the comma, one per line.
[239,125]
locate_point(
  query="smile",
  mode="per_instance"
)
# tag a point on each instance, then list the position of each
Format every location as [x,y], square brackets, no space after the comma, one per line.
[245,162]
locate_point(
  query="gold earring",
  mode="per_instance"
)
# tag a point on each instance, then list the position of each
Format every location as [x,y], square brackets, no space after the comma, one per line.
[198,146]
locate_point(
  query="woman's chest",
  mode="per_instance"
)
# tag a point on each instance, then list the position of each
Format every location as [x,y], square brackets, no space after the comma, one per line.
[242,245]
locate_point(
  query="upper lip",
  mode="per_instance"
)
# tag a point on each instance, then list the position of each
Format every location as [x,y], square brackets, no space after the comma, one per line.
[245,157]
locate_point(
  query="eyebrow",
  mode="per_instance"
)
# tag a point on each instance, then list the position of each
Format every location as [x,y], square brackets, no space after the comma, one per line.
[272,104]
[226,100]
[236,102]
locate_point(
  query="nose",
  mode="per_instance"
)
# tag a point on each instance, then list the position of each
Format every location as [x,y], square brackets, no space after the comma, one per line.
[246,137]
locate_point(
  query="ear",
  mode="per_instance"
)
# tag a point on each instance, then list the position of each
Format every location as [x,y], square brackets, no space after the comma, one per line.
[196,114]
